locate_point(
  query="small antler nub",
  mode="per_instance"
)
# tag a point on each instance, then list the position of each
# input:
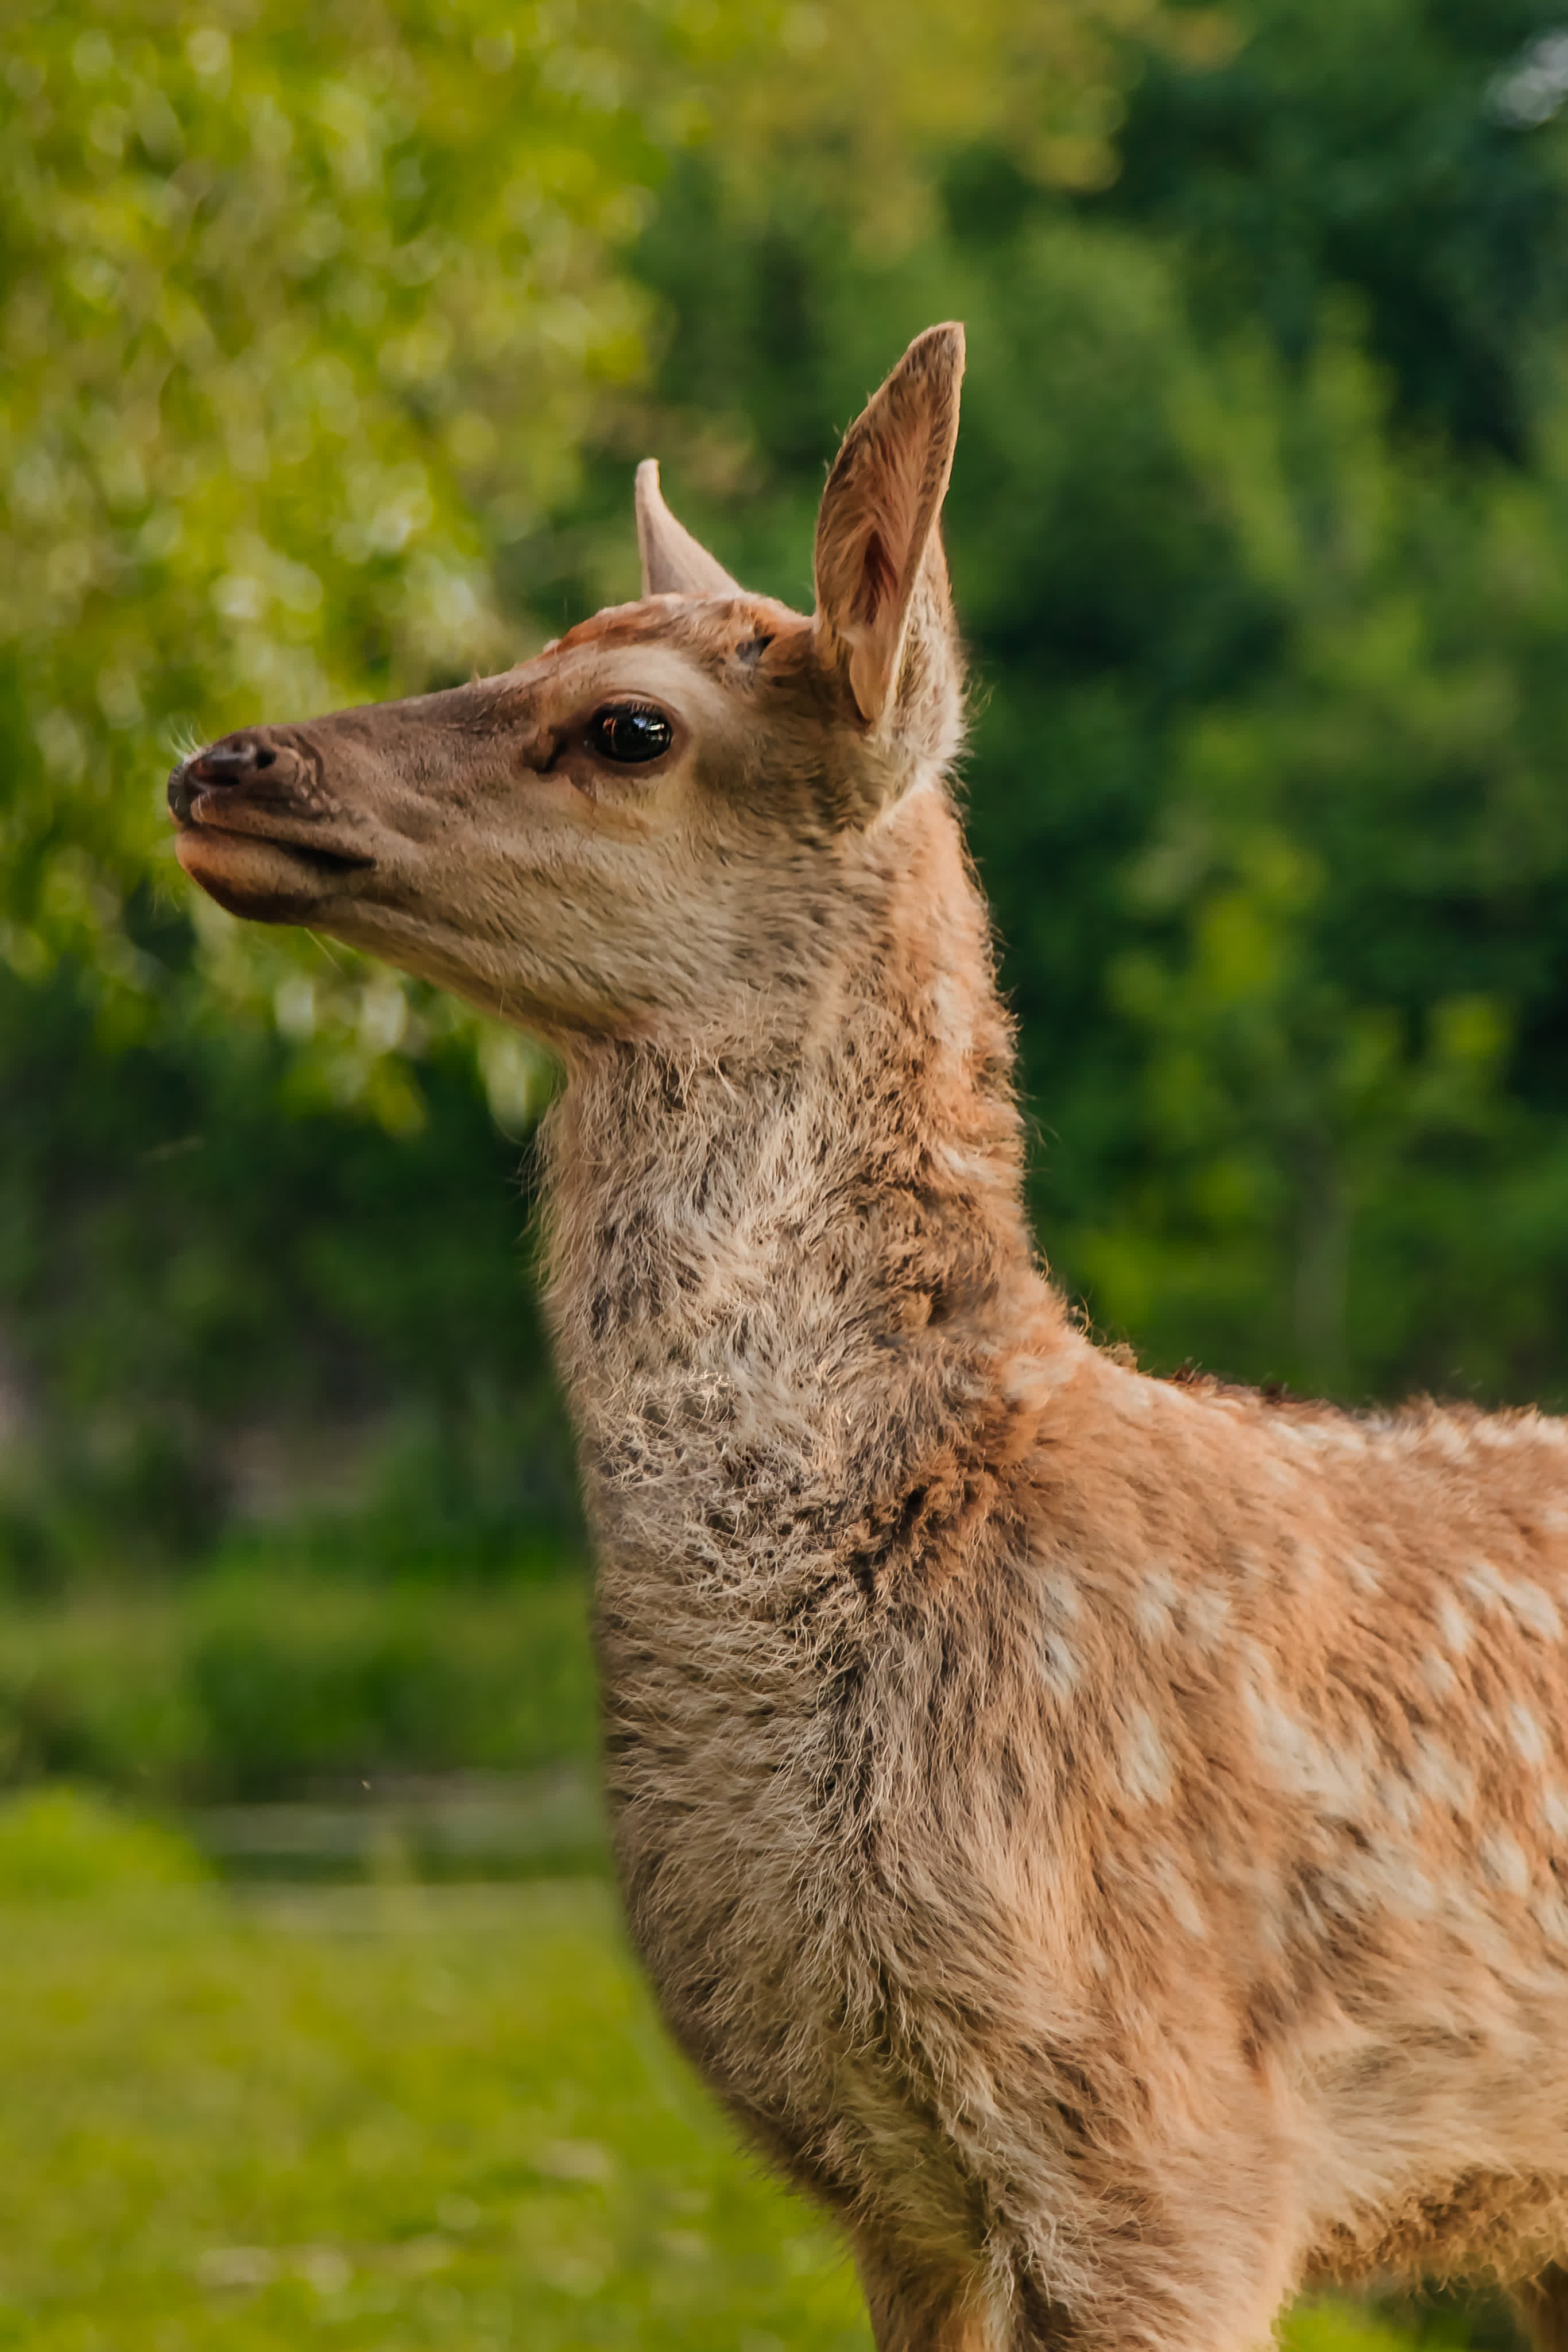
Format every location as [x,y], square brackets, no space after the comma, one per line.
[674,563]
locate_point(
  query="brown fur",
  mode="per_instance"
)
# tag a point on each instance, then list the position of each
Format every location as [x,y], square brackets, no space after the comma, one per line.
[1107,1838]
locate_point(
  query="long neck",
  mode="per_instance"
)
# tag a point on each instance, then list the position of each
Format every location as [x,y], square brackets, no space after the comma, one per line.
[784,1273]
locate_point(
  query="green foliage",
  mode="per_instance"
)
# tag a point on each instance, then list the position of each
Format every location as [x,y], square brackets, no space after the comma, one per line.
[194,1258]
[1369,147]
[1264,766]
[328,347]
[306,320]
[1351,1095]
[303,318]
[285,311]
[306,317]
[60,1841]
[264,1685]
[1436,2324]
[1351,1112]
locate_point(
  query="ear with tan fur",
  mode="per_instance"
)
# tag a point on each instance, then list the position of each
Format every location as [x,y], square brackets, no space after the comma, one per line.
[884,614]
[674,563]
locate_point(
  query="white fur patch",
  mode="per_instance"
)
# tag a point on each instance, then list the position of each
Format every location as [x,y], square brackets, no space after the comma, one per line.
[1454,1625]
[1146,1767]
[1178,1893]
[1526,1734]
[1438,1675]
[1062,1599]
[1439,1774]
[1153,1611]
[1302,1764]
[1402,1887]
[1209,1614]
[1397,1800]
[1522,1600]
[1502,1859]
[1058,1666]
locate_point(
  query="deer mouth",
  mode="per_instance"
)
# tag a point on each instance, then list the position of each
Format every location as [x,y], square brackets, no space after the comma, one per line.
[250,828]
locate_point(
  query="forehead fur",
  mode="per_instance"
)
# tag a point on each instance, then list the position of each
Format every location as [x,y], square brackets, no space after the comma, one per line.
[717,634]
[774,722]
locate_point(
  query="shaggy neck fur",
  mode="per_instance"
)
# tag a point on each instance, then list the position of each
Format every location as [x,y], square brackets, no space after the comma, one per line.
[784,1268]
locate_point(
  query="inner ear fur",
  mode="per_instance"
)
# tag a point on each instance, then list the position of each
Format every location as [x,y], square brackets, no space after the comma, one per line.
[884,613]
[674,563]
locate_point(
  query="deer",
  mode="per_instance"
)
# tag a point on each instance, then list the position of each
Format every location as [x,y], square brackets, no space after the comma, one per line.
[1103,1837]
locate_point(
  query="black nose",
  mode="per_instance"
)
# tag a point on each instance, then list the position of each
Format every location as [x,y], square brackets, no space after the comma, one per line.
[231,760]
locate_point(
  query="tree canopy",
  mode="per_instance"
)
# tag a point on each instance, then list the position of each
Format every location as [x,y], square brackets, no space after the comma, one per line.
[329,345]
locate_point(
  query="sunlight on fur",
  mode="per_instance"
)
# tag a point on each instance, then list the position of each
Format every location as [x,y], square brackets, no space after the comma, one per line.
[1106,1839]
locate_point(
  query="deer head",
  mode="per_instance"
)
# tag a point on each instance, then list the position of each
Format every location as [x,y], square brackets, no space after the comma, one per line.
[637,831]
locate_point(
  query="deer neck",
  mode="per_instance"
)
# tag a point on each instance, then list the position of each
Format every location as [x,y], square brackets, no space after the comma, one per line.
[787,1265]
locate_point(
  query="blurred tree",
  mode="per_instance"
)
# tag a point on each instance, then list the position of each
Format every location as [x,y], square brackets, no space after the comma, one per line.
[302,316]
[1376,147]
[1352,1113]
[305,317]
[289,312]
[1352,1107]
[304,322]
[1266,760]
[218,1296]
[329,349]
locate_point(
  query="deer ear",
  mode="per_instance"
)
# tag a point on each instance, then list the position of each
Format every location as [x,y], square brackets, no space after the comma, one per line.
[674,563]
[884,614]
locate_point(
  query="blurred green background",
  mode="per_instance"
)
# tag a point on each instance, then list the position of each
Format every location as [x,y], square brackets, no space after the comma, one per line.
[329,340]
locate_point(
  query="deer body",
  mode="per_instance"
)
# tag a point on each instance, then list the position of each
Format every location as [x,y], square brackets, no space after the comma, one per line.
[1108,1839]
[1028,1722]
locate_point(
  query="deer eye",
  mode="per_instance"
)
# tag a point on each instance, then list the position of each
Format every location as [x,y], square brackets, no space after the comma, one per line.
[629,732]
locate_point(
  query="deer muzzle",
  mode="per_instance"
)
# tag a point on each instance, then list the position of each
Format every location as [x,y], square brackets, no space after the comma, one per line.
[258,829]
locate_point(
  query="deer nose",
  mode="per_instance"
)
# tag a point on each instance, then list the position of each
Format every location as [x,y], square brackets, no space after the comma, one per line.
[232,759]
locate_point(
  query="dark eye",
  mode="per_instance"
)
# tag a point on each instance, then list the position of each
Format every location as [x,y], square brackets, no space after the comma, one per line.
[629,732]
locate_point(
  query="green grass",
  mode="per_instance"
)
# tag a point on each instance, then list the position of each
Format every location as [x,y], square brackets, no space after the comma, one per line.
[369,2117]
[379,2117]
